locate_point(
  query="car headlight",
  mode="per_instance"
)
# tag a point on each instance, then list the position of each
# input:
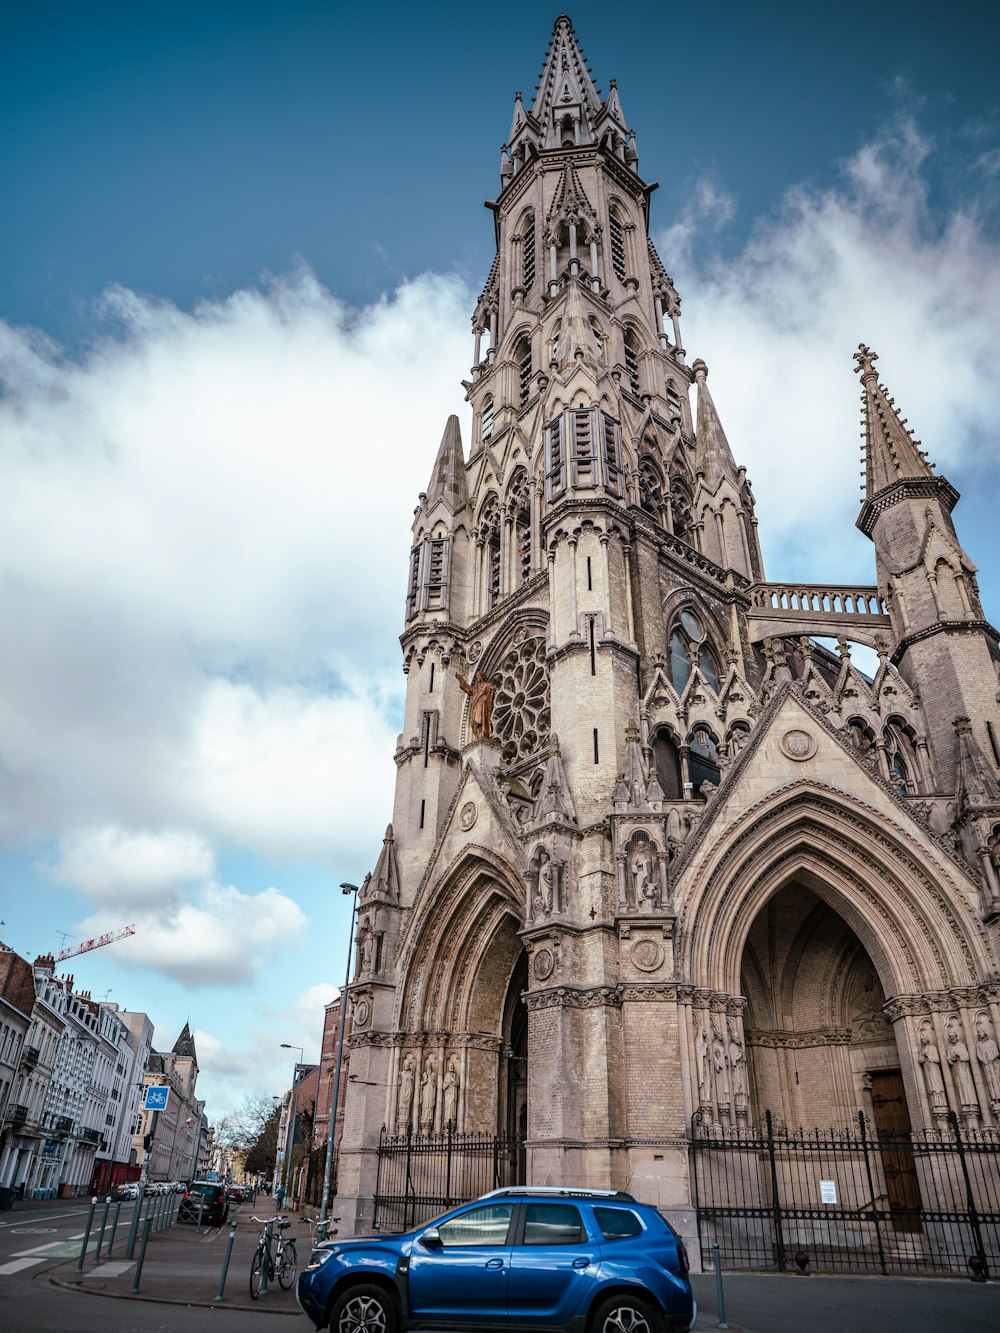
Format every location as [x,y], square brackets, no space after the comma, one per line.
[319,1257]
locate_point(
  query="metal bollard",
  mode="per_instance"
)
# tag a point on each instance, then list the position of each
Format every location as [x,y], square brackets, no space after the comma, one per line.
[86,1234]
[134,1227]
[266,1257]
[100,1238]
[142,1256]
[220,1295]
[201,1211]
[114,1227]
[719,1295]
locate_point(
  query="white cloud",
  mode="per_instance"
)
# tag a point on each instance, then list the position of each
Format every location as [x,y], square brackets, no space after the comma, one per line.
[217,936]
[206,524]
[867,262]
[131,869]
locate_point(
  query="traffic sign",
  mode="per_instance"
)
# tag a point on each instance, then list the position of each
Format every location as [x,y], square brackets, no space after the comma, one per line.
[156,1099]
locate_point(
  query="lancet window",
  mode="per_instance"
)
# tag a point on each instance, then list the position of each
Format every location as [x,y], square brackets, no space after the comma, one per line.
[901,758]
[487,422]
[617,237]
[427,589]
[703,758]
[519,510]
[590,440]
[522,359]
[528,253]
[689,646]
[632,361]
[667,761]
[489,537]
[651,497]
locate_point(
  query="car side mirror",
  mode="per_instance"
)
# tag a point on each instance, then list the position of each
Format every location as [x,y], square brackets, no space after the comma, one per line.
[432,1239]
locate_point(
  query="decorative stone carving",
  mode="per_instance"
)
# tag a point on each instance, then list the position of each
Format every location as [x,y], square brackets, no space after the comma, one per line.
[929,1059]
[988,1055]
[361,1013]
[428,1095]
[798,745]
[476,651]
[480,694]
[646,955]
[544,964]
[450,1091]
[521,700]
[404,1104]
[702,1053]
[467,815]
[961,1065]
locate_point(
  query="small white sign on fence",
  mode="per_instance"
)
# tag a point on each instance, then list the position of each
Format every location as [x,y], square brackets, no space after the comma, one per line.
[828,1191]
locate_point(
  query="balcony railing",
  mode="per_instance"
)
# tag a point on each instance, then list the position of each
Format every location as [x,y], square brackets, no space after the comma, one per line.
[91,1136]
[30,1055]
[62,1124]
[17,1115]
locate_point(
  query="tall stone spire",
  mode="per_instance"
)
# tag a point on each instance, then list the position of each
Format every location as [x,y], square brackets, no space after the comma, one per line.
[713,456]
[566,101]
[447,482]
[892,455]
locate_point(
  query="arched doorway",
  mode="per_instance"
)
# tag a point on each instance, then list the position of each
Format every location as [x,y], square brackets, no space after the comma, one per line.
[814,1024]
[512,1093]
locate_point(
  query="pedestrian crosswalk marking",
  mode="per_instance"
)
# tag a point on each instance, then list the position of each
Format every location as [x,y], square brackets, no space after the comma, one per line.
[16,1265]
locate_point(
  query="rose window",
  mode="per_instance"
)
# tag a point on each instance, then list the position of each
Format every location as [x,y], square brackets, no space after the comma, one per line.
[521,700]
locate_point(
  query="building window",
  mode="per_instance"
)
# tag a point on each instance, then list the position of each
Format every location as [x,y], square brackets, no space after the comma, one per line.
[487,430]
[667,760]
[901,757]
[522,359]
[555,460]
[617,245]
[582,445]
[688,645]
[489,532]
[611,438]
[598,333]
[428,585]
[673,402]
[703,758]
[528,255]
[632,361]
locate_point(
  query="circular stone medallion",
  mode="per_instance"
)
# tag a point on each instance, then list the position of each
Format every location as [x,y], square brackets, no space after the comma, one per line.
[544,964]
[467,815]
[647,955]
[798,745]
[362,1013]
[475,652]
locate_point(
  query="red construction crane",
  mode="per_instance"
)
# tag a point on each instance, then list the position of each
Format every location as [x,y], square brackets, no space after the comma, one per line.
[98,942]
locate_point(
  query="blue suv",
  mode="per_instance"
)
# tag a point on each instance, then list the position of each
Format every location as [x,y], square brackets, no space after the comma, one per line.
[590,1261]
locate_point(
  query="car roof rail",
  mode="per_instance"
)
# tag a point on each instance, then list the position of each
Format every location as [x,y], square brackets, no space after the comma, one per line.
[561,1191]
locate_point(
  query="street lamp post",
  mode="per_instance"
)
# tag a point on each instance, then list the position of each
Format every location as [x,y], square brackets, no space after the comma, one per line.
[332,1127]
[290,1137]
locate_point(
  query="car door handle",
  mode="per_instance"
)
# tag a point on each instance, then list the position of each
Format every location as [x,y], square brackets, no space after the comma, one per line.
[494,1263]
[581,1263]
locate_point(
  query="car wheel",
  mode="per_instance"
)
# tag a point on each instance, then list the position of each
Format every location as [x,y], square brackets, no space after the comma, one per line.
[286,1269]
[626,1313]
[364,1308]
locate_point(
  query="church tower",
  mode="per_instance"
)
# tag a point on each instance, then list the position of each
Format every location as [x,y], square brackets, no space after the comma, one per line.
[660,857]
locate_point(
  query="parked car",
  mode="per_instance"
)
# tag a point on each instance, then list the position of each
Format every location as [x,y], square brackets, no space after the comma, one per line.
[208,1197]
[557,1259]
[130,1190]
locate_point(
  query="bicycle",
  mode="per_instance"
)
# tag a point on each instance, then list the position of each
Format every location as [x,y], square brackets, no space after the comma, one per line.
[274,1256]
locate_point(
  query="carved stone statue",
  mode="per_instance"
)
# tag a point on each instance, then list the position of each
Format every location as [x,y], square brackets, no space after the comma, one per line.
[737,1066]
[988,1055]
[641,870]
[428,1096]
[930,1060]
[546,884]
[480,694]
[404,1106]
[704,1067]
[451,1096]
[721,1068]
[961,1067]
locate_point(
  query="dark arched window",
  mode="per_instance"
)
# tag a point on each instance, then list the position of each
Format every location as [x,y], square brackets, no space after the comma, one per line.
[703,758]
[632,361]
[667,761]
[528,252]
[617,237]
[901,756]
[522,360]
[487,429]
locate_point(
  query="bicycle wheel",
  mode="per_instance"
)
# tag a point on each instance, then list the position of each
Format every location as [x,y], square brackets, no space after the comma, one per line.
[286,1265]
[257,1274]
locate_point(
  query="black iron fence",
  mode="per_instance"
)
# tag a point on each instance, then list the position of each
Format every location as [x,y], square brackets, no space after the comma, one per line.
[854,1200]
[421,1175]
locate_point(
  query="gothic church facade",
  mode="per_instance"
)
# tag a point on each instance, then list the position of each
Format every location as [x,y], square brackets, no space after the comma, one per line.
[657,855]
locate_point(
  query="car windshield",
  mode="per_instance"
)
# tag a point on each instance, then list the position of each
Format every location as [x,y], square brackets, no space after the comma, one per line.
[207,1190]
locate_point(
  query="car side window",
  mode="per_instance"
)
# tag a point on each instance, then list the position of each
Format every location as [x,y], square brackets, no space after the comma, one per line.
[553,1224]
[479,1226]
[617,1223]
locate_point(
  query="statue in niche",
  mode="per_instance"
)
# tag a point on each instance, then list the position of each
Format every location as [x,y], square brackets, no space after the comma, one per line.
[642,871]
[365,951]
[428,1096]
[480,694]
[546,884]
[737,1066]
[405,1103]
[450,1088]
[988,1055]
[704,1066]
[721,1068]
[930,1061]
[961,1067]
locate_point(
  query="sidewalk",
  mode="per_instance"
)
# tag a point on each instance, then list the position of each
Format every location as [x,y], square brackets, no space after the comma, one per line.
[183,1267]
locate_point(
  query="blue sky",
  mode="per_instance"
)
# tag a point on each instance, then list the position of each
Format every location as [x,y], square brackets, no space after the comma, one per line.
[239,247]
